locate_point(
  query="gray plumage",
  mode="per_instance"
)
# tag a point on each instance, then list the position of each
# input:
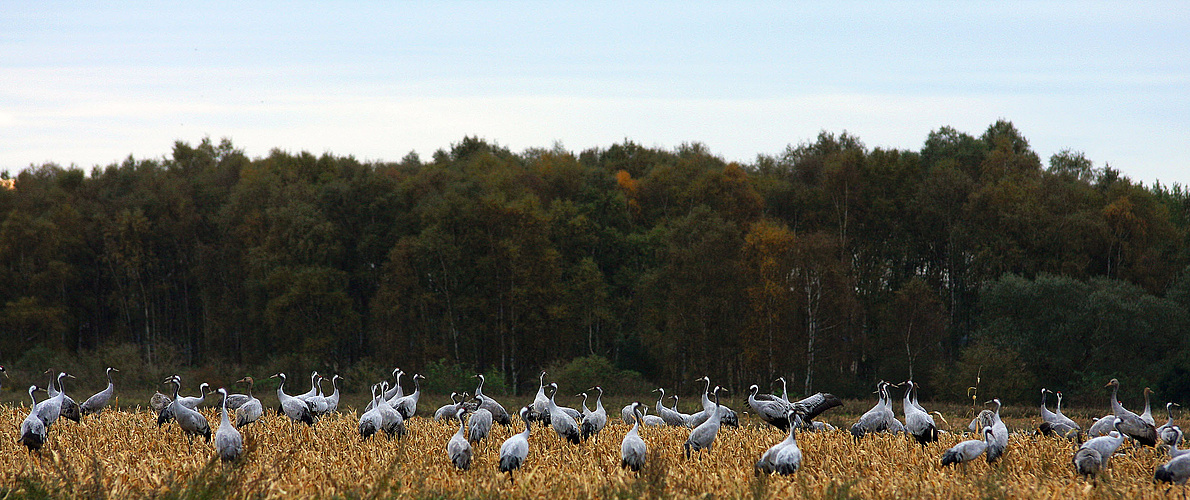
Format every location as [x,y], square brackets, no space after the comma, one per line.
[784,457]
[499,414]
[633,450]
[50,409]
[479,425]
[158,402]
[95,403]
[771,409]
[878,419]
[228,442]
[968,450]
[391,421]
[703,436]
[670,417]
[294,408]
[1176,471]
[1147,414]
[626,414]
[191,421]
[651,420]
[332,401]
[540,410]
[458,449]
[68,408]
[918,423]
[1102,426]
[407,405]
[1131,424]
[33,430]
[594,421]
[1055,423]
[1168,431]
[999,442]
[447,411]
[251,410]
[515,449]
[371,421]
[1095,454]
[563,424]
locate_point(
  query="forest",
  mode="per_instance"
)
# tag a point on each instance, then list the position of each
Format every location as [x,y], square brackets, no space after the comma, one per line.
[968,263]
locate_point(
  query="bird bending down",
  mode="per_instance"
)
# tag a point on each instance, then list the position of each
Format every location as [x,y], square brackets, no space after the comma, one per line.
[458,449]
[633,450]
[515,449]
[95,404]
[1095,454]
[228,442]
[784,458]
[968,450]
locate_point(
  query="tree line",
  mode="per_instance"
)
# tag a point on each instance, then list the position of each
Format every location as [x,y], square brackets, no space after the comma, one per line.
[832,264]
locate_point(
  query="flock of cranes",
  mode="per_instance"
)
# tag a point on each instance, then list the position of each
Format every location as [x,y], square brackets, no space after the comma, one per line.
[389,409]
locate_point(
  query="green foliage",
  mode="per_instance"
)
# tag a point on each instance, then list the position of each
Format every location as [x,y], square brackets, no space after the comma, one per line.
[828,261]
[579,374]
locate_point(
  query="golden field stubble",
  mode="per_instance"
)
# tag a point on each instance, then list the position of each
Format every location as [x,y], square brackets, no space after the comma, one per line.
[131,457]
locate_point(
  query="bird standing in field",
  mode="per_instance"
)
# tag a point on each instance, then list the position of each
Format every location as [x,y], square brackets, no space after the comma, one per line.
[228,442]
[999,441]
[50,409]
[95,403]
[1168,432]
[447,411]
[918,423]
[1175,471]
[292,407]
[251,410]
[479,425]
[594,421]
[669,416]
[633,450]
[1131,424]
[771,409]
[515,449]
[968,450]
[391,420]
[68,407]
[564,425]
[499,414]
[458,449]
[191,421]
[407,405]
[332,401]
[371,421]
[33,431]
[703,436]
[541,403]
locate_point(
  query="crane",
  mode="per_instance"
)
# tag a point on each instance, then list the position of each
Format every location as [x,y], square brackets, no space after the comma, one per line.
[593,422]
[633,450]
[191,421]
[771,409]
[447,411]
[1131,424]
[95,403]
[499,414]
[479,425]
[541,404]
[1093,456]
[1168,432]
[918,423]
[775,459]
[332,401]
[251,410]
[371,421]
[69,408]
[33,430]
[292,407]
[669,416]
[703,436]
[407,406]
[564,425]
[968,450]
[228,441]
[515,449]
[458,449]
[999,441]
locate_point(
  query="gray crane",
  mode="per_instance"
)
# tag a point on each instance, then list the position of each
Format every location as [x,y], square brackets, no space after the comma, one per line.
[313,387]
[95,403]
[33,430]
[228,441]
[1056,423]
[292,407]
[670,417]
[317,402]
[1095,454]
[627,415]
[1147,414]
[192,402]
[395,392]
[593,422]
[391,420]
[332,401]
[191,421]
[371,421]
[685,416]
[479,425]
[703,436]
[447,411]
[515,449]
[69,408]
[407,406]
[880,418]
[775,459]
[633,450]
[499,414]
[999,441]
[458,449]
[1131,424]
[541,404]
[968,450]
[918,423]
[251,410]
[50,409]
[727,416]
[564,425]
[651,420]
[1168,432]
[1176,471]
[771,409]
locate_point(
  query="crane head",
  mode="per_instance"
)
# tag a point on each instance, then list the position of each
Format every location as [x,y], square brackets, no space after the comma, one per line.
[418,376]
[1113,382]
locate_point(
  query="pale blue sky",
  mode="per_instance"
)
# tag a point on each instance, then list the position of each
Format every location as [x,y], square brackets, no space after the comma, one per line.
[90,84]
